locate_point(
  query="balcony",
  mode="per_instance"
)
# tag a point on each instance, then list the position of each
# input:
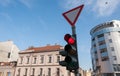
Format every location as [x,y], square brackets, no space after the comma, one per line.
[106,58]
[102,46]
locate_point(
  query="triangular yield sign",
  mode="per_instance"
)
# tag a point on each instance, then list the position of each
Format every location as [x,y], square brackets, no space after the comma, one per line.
[72,15]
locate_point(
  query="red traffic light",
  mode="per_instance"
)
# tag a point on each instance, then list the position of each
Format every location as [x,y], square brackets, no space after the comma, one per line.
[69,39]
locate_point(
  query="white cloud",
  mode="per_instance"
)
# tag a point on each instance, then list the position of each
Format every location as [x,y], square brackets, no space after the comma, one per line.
[5,2]
[6,16]
[84,48]
[43,23]
[88,2]
[67,4]
[105,7]
[27,3]
[100,7]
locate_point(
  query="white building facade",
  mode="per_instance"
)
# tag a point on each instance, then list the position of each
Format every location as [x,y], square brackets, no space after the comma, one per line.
[105,49]
[41,61]
[8,51]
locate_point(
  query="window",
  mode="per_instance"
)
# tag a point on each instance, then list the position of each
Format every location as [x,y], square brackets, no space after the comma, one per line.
[109,33]
[9,55]
[42,59]
[58,58]
[49,71]
[116,67]
[110,40]
[28,60]
[104,56]
[19,71]
[101,42]
[112,49]
[41,70]
[103,50]
[96,57]
[58,72]
[33,71]
[21,60]
[95,51]
[101,35]
[114,58]
[26,71]
[50,59]
[35,60]
[94,45]
[93,39]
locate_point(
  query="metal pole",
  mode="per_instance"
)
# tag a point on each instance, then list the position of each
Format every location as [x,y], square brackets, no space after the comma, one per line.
[74,35]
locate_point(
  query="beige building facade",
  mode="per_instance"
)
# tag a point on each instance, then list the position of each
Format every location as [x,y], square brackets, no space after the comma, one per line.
[8,51]
[41,61]
[7,68]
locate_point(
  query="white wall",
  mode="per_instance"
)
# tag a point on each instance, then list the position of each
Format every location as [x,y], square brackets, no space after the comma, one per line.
[5,48]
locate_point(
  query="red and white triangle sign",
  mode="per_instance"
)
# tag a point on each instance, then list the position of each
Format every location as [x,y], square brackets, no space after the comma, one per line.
[72,15]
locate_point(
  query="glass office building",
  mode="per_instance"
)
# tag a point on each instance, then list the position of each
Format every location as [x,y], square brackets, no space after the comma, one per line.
[105,49]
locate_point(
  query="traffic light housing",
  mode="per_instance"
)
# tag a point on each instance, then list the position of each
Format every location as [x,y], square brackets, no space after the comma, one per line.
[63,53]
[70,53]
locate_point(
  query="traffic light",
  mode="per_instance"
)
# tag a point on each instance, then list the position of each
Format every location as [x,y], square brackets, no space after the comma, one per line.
[70,53]
[70,48]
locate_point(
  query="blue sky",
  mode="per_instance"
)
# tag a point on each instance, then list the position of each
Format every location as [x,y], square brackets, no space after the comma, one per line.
[40,22]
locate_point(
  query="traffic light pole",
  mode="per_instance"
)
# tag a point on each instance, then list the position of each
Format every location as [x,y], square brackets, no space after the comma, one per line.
[76,72]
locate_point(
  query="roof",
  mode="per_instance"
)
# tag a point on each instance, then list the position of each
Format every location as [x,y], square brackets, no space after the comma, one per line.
[47,48]
[101,26]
